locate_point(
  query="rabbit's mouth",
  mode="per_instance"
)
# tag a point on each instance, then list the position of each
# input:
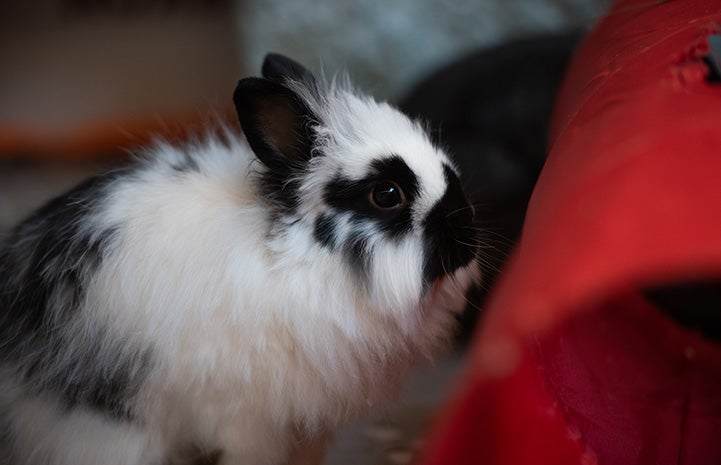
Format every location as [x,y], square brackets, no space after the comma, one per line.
[449,290]
[439,285]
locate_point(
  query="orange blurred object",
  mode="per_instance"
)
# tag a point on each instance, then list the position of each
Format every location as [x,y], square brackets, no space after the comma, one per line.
[85,80]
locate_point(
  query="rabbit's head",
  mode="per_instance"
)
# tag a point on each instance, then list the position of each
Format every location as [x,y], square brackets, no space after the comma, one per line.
[359,183]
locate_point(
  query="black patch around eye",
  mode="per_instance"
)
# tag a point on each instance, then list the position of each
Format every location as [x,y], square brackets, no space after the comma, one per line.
[325,230]
[387,195]
[395,169]
[450,238]
[352,196]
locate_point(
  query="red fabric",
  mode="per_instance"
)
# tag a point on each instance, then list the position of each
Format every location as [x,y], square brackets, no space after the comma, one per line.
[571,365]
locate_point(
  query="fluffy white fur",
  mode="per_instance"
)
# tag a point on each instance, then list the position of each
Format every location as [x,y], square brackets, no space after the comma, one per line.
[261,339]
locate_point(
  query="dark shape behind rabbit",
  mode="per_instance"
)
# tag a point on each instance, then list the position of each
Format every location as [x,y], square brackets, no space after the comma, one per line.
[492,109]
[235,297]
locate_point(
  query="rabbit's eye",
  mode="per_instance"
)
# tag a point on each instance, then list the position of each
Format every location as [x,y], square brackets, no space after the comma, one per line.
[387,195]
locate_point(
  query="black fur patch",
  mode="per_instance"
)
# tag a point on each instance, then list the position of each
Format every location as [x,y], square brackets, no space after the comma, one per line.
[192,454]
[188,163]
[451,241]
[358,255]
[348,195]
[353,196]
[324,231]
[41,263]
[279,128]
[44,266]
[94,383]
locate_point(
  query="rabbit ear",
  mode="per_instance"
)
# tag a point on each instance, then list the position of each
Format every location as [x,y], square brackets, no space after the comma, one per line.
[276,122]
[280,68]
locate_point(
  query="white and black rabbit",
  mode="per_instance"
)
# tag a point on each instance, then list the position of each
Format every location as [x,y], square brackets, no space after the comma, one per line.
[233,299]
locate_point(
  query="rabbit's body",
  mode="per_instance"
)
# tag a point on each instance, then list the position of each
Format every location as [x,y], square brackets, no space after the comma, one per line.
[198,301]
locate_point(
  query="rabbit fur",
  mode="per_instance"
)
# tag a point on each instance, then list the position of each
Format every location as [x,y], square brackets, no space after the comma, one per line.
[237,296]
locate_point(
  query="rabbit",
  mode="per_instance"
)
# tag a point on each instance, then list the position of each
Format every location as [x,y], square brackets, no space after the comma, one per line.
[235,299]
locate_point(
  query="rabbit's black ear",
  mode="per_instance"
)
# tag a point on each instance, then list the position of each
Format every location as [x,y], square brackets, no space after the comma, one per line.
[276,122]
[280,68]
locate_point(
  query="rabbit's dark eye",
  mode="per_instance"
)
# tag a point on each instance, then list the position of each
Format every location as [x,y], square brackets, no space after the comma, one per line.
[386,195]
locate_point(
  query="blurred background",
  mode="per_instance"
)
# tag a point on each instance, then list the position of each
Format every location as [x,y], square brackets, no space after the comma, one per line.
[77,75]
[83,83]
[90,79]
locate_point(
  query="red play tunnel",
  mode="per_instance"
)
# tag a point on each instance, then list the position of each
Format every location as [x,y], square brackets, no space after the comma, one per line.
[587,353]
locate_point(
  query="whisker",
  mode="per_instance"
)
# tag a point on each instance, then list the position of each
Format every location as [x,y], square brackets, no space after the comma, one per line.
[467,207]
[490,235]
[485,243]
[489,267]
[486,230]
[468,244]
[487,264]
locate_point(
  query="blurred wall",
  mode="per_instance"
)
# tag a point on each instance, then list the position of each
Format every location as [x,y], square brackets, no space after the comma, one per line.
[86,76]
[79,74]
[388,45]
